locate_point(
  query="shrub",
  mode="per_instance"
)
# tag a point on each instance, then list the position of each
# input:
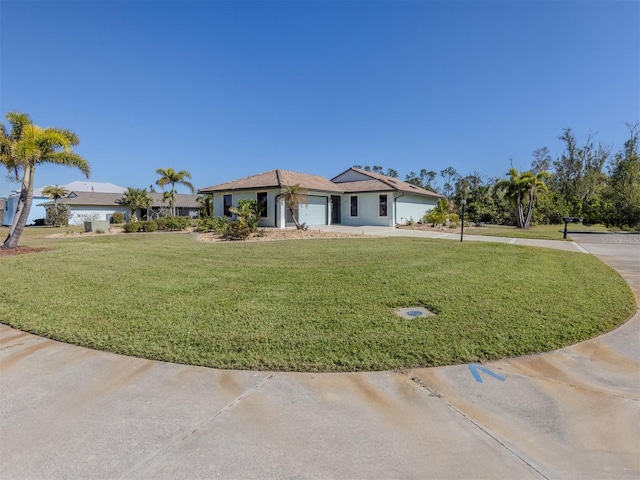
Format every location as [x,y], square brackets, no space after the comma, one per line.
[149,226]
[131,227]
[39,222]
[117,217]
[236,230]
[173,223]
[58,215]
[214,224]
[99,231]
[410,221]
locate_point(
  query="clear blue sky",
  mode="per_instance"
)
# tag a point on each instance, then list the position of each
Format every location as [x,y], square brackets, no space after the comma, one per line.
[229,89]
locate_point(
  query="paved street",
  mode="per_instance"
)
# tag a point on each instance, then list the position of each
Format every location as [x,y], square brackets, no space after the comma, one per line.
[69,412]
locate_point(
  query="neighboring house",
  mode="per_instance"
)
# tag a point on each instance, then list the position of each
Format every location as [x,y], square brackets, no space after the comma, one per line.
[10,202]
[102,206]
[355,197]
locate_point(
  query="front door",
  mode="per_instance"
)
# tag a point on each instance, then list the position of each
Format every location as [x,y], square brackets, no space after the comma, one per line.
[335,209]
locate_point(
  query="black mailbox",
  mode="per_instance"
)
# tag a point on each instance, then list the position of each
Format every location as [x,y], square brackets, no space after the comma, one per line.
[567,221]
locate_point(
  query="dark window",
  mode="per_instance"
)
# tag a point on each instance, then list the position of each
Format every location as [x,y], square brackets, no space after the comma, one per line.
[262,204]
[383,205]
[227,202]
[354,206]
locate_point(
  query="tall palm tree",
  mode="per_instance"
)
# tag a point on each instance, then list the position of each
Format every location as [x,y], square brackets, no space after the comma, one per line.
[55,193]
[293,196]
[26,147]
[533,185]
[520,189]
[168,176]
[512,188]
[136,198]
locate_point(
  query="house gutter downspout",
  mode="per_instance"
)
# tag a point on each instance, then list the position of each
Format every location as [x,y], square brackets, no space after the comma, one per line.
[395,210]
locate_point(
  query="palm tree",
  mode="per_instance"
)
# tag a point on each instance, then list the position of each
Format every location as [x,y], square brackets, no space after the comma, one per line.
[55,193]
[135,198]
[168,176]
[24,148]
[293,196]
[205,204]
[513,192]
[533,186]
[519,187]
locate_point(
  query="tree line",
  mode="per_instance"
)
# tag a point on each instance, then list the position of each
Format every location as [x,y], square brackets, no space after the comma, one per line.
[586,181]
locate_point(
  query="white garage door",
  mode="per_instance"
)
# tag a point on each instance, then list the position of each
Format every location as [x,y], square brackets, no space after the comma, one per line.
[315,212]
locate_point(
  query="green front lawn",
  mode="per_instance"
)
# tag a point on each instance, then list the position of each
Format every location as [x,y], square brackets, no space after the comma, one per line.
[308,305]
[541,232]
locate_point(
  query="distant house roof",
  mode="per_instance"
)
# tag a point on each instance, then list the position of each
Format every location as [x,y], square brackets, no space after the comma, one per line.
[112,199]
[86,186]
[275,179]
[375,182]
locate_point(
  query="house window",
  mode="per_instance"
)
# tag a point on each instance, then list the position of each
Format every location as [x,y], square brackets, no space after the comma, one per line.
[227,201]
[262,204]
[354,206]
[383,205]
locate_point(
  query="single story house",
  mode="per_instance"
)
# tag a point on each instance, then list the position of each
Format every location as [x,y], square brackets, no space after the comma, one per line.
[355,197]
[102,206]
[10,202]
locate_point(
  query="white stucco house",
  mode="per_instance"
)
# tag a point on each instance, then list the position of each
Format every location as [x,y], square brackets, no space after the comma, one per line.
[10,202]
[355,197]
[102,206]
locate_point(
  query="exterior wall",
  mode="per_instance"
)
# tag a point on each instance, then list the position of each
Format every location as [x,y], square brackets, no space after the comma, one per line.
[412,207]
[368,209]
[11,206]
[268,221]
[80,213]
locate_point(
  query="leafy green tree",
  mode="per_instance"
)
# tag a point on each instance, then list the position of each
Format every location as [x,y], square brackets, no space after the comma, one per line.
[168,176]
[25,147]
[512,190]
[293,196]
[135,198]
[621,196]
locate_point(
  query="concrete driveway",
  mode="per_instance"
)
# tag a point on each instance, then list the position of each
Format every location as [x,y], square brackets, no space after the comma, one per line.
[69,412]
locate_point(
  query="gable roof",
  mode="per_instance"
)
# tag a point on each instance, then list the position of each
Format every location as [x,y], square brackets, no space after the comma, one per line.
[366,181]
[112,199]
[275,179]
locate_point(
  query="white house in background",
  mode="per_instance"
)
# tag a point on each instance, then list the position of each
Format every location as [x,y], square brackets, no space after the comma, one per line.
[10,202]
[102,206]
[355,197]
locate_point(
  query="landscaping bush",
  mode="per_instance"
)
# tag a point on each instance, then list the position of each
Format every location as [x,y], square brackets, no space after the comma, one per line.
[214,224]
[149,226]
[117,217]
[173,223]
[236,230]
[131,227]
[39,222]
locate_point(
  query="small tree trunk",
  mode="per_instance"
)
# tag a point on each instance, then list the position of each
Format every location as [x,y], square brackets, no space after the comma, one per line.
[22,212]
[295,220]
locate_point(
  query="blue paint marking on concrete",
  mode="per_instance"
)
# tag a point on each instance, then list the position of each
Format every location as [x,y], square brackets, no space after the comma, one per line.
[414,313]
[474,369]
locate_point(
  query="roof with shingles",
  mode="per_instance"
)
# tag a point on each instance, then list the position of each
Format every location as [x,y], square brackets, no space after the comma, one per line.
[110,199]
[276,179]
[379,183]
[282,178]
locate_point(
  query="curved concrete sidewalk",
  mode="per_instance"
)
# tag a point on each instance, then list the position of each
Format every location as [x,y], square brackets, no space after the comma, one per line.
[70,412]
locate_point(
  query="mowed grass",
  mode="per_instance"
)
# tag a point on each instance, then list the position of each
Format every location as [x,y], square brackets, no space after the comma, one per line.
[308,305]
[540,232]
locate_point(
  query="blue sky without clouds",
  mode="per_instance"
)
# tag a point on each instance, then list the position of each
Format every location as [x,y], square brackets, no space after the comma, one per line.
[229,89]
